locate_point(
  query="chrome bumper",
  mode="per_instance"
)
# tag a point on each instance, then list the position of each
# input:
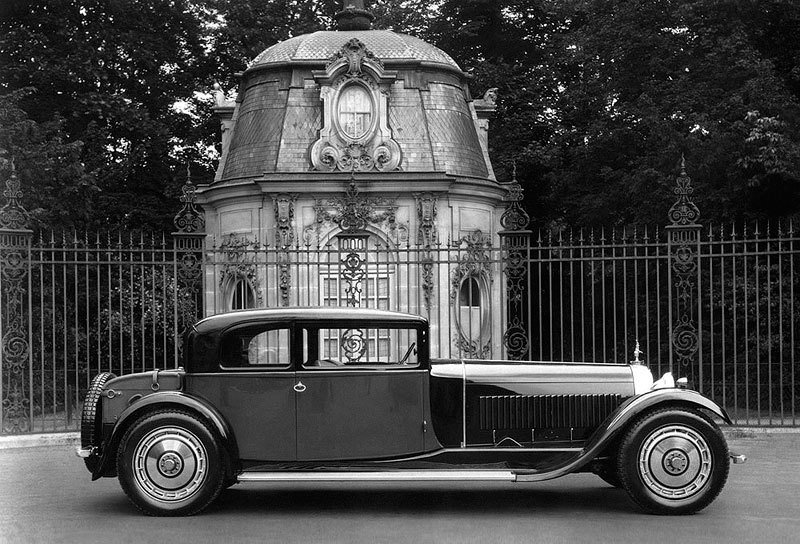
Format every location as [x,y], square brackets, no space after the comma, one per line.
[84,452]
[738,458]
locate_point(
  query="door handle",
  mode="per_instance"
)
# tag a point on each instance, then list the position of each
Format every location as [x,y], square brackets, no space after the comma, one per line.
[299,387]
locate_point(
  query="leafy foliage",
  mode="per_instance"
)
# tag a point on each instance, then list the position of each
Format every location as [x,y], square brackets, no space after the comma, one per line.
[106,101]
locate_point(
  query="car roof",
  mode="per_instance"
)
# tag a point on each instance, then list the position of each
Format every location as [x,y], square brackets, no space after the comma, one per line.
[323,313]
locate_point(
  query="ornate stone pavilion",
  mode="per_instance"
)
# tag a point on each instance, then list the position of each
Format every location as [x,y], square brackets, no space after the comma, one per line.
[355,170]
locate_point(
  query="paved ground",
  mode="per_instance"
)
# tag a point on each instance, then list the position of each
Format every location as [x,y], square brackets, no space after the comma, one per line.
[46,496]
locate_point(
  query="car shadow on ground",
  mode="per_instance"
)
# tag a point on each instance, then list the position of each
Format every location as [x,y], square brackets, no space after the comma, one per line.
[422,499]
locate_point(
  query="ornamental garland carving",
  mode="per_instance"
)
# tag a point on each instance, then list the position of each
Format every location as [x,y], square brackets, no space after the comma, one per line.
[353,213]
[355,70]
[239,256]
[284,238]
[426,239]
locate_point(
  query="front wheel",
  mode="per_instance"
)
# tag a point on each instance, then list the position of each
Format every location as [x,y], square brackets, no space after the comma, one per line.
[170,464]
[673,461]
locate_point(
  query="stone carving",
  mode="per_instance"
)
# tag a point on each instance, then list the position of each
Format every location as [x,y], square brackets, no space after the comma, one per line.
[426,238]
[284,238]
[354,212]
[373,148]
[284,217]
[240,263]
[354,53]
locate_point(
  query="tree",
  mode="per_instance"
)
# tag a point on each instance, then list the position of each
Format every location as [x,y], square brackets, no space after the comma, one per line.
[647,81]
[109,73]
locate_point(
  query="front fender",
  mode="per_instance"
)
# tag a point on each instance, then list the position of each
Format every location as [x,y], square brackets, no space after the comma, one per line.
[624,415]
[166,399]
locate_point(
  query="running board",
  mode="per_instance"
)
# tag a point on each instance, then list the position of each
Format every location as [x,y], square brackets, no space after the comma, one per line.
[378,476]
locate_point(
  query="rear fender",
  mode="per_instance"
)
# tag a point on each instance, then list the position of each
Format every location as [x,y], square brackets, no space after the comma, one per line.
[166,399]
[622,417]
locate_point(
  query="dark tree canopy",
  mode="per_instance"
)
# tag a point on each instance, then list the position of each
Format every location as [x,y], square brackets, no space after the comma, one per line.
[105,101]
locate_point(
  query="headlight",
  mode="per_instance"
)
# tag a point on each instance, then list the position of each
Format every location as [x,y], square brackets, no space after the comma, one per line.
[666,381]
[642,379]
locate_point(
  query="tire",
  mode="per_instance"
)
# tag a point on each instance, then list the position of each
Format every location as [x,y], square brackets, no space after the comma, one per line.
[673,461]
[608,473]
[92,419]
[170,463]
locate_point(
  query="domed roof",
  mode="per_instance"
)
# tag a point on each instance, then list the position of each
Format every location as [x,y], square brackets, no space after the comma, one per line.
[386,45]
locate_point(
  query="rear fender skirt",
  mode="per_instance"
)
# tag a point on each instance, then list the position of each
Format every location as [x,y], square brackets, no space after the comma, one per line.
[620,419]
[166,399]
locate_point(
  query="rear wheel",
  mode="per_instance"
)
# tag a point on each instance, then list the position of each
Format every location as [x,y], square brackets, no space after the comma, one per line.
[608,473]
[170,464]
[673,461]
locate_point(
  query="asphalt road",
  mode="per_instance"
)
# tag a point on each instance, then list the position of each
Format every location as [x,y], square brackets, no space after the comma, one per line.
[46,496]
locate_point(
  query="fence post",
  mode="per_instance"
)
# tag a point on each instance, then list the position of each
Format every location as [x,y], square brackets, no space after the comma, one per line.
[683,249]
[189,251]
[515,247]
[16,377]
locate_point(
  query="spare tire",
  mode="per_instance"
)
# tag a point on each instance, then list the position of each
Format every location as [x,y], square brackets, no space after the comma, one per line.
[92,418]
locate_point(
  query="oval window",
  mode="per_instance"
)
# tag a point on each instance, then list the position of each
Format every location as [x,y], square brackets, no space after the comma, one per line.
[355,111]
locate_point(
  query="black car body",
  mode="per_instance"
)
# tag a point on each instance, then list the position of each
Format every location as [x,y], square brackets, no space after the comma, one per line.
[352,394]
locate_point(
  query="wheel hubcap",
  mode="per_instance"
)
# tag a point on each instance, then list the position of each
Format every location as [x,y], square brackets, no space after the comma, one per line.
[170,464]
[675,462]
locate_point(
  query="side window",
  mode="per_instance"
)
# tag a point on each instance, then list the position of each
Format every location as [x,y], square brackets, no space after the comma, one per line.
[360,347]
[249,347]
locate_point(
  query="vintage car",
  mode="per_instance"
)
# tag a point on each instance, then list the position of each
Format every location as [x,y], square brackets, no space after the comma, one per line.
[336,394]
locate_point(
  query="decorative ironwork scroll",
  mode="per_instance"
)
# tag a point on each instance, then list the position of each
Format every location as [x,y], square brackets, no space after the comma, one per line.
[353,345]
[473,263]
[426,239]
[189,245]
[353,271]
[515,245]
[15,240]
[683,247]
[284,238]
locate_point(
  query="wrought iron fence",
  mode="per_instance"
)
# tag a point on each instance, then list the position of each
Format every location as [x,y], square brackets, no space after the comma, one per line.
[718,305]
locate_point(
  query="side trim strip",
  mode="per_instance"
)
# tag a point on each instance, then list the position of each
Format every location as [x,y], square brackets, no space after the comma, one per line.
[379,476]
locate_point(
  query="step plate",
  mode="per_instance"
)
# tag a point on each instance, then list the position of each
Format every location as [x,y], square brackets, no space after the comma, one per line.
[376,476]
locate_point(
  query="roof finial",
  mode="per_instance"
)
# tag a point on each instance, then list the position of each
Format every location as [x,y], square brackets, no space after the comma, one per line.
[354,16]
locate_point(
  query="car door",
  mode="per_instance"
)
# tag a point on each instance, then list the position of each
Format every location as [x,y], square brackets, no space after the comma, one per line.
[356,398]
[254,390]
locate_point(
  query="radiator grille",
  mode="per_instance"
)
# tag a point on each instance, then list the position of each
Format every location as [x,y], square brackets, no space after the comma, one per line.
[545,411]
